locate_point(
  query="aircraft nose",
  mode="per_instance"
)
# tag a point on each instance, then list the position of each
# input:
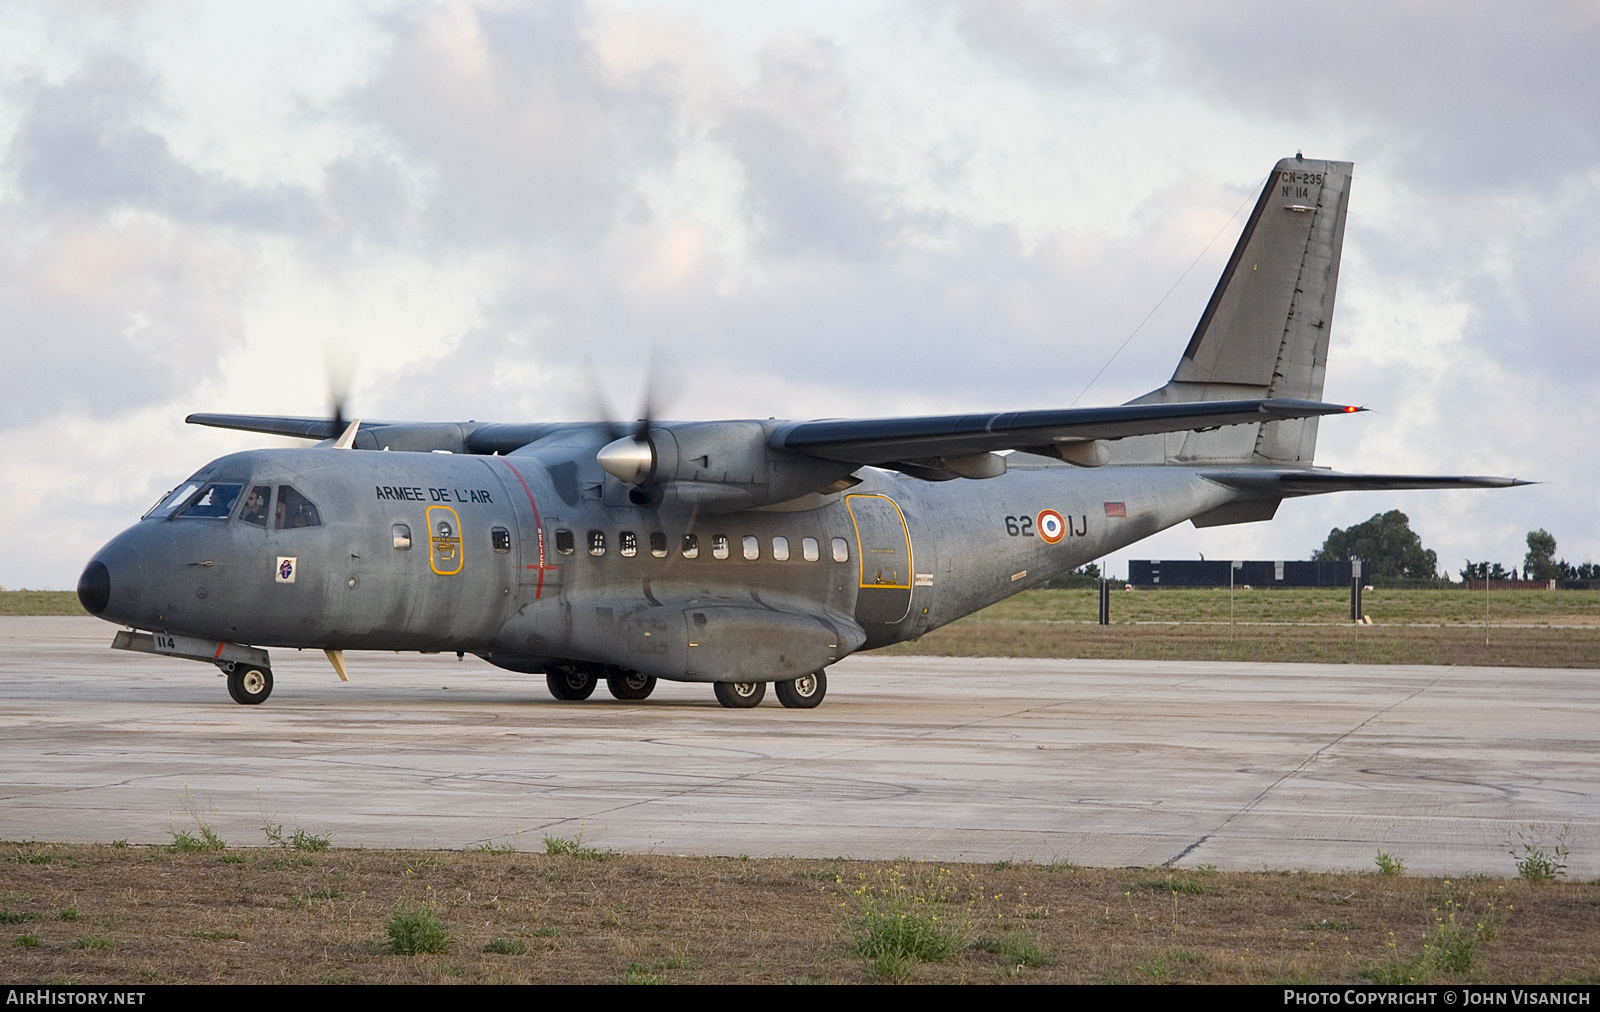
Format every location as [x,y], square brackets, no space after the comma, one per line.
[111,584]
[94,587]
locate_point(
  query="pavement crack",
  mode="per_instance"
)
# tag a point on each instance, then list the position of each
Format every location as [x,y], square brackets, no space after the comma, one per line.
[1253,802]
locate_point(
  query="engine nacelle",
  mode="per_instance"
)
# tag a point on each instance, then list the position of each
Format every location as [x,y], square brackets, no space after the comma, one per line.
[719,466]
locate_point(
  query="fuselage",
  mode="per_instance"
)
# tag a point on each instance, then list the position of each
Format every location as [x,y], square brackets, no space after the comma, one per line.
[510,558]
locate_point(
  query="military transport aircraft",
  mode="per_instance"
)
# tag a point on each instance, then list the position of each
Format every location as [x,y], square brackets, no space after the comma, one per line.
[735,552]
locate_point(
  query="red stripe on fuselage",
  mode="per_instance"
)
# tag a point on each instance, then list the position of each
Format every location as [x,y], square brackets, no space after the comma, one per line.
[538,526]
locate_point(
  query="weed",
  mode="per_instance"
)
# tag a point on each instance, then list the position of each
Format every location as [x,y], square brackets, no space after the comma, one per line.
[562,846]
[544,933]
[284,863]
[1017,946]
[1534,862]
[33,857]
[18,916]
[414,928]
[119,844]
[505,848]
[70,914]
[232,859]
[187,843]
[506,947]
[324,894]
[1388,864]
[94,943]
[637,973]
[1205,870]
[906,920]
[1449,947]
[1001,865]
[298,840]
[28,940]
[1161,967]
[1175,885]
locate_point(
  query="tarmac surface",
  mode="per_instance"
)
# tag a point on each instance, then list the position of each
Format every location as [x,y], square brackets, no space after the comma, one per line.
[1241,766]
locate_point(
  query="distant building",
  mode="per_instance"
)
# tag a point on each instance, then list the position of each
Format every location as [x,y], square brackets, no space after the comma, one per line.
[1207,573]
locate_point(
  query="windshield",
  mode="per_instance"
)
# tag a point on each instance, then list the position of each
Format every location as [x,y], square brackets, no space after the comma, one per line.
[214,502]
[172,500]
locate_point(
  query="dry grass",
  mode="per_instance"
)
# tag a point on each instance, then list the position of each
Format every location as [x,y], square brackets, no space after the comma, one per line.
[150,916]
[1559,629]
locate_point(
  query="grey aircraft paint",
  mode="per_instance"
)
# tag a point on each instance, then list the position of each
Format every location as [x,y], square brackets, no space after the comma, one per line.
[738,552]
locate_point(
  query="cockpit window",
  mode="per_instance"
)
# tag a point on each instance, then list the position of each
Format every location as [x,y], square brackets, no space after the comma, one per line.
[294,510]
[172,500]
[214,502]
[255,505]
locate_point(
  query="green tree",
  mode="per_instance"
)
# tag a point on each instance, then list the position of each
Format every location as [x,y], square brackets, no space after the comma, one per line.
[1540,562]
[1388,545]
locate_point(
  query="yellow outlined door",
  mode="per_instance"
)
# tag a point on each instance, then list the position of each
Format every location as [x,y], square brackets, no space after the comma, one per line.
[883,548]
[444,540]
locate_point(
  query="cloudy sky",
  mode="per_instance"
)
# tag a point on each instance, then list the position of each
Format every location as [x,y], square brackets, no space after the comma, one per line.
[817,209]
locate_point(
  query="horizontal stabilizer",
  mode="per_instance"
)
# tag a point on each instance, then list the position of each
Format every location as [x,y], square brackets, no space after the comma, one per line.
[1301,482]
[881,440]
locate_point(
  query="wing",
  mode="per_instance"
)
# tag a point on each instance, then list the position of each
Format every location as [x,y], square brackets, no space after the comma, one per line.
[886,440]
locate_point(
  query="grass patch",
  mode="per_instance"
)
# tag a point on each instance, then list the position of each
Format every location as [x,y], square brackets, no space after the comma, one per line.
[18,916]
[94,943]
[498,850]
[27,940]
[70,914]
[651,972]
[415,928]
[40,602]
[903,919]
[1017,946]
[506,947]
[184,842]
[1172,884]
[561,846]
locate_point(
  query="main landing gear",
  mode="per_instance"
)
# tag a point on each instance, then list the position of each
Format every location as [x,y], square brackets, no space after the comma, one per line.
[576,681]
[801,693]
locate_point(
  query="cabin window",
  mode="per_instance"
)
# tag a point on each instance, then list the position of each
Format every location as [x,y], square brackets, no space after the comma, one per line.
[294,510]
[841,550]
[691,546]
[597,542]
[808,549]
[628,544]
[214,502]
[563,541]
[752,547]
[780,549]
[719,546]
[402,537]
[500,538]
[658,545]
[254,512]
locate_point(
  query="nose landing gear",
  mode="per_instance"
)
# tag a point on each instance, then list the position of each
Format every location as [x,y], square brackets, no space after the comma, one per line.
[249,684]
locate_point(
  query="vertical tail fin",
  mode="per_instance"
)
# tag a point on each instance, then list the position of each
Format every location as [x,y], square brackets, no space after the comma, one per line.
[1265,331]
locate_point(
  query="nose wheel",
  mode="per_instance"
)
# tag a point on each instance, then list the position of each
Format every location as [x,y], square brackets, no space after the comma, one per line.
[249,685]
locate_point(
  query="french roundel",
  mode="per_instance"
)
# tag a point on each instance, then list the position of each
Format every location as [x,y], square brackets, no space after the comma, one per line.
[1051,527]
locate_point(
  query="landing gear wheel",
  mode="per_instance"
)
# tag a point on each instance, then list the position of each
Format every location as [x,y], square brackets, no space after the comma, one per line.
[631,685]
[804,692]
[249,685]
[739,695]
[570,683]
